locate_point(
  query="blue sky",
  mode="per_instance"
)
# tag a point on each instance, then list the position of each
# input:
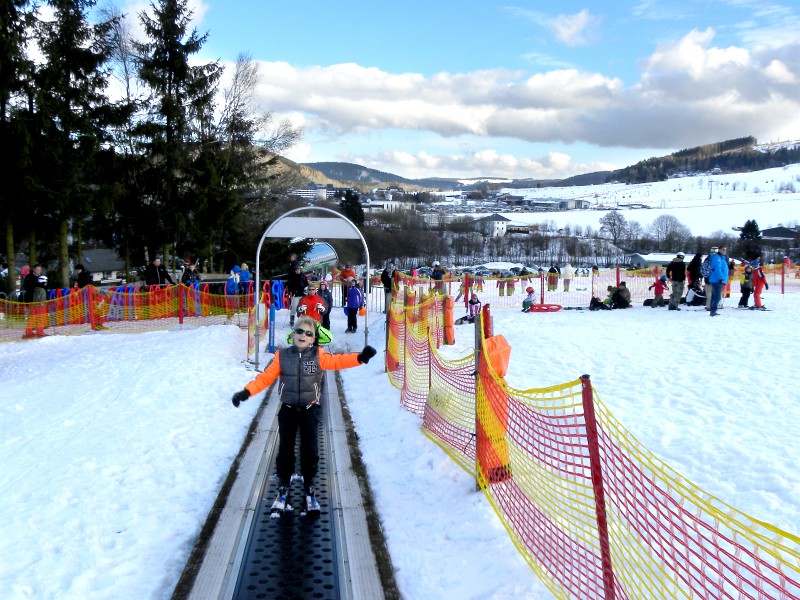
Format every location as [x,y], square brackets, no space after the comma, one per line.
[525,89]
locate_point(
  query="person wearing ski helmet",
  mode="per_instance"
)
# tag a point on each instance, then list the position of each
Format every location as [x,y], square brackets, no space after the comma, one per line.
[530,299]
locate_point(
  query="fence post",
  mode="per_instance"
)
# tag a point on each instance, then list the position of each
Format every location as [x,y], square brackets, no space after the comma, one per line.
[88,294]
[181,301]
[593,444]
[617,276]
[783,278]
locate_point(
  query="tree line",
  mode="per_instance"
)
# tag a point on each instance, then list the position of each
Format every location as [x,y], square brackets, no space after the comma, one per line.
[730,156]
[130,143]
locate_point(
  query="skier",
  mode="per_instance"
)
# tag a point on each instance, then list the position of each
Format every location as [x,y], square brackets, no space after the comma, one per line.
[299,368]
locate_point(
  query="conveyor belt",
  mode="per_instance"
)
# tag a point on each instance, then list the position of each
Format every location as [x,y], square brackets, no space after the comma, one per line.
[250,555]
[293,556]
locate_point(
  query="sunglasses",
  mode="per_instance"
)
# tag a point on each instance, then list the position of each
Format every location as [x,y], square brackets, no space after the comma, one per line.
[305,332]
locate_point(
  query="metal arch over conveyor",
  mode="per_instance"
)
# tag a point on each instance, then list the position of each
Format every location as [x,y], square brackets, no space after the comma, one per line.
[254,556]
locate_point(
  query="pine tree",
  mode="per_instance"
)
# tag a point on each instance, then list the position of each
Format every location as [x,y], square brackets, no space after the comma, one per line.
[352,208]
[72,113]
[15,73]
[180,116]
[750,240]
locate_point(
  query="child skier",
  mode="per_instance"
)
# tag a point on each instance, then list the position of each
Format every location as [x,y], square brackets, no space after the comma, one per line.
[300,368]
[660,285]
[530,299]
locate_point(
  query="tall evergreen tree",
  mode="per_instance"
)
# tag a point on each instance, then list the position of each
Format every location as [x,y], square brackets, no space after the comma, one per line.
[180,116]
[73,113]
[15,72]
[749,245]
[352,208]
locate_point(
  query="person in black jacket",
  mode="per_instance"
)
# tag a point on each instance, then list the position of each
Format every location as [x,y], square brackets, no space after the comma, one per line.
[83,277]
[156,273]
[35,285]
[327,298]
[387,279]
[676,273]
[296,284]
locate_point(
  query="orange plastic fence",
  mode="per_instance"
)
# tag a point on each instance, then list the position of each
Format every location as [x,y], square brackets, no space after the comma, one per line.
[121,309]
[592,511]
[509,292]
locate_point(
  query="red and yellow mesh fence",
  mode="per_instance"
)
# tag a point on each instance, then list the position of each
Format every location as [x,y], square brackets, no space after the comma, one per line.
[124,309]
[592,511]
[508,292]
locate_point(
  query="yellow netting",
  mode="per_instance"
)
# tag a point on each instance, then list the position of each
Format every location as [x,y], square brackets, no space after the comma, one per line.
[592,511]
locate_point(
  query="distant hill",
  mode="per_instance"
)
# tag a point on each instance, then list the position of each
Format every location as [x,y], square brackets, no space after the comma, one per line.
[741,155]
[731,156]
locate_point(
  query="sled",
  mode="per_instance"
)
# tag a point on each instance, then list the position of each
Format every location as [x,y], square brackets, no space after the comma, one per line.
[545,308]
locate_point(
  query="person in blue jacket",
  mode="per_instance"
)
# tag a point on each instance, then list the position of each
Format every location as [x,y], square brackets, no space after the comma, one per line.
[355,300]
[232,285]
[718,277]
[245,277]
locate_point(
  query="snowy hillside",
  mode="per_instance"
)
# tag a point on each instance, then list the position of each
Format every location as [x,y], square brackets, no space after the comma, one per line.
[704,203]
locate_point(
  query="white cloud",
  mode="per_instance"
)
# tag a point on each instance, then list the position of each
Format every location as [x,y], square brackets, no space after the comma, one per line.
[690,92]
[579,29]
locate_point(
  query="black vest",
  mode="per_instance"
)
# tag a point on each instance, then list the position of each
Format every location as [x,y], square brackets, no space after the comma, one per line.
[301,376]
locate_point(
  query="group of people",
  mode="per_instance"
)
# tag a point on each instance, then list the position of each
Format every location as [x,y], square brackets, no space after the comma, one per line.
[617,297]
[708,278]
[315,299]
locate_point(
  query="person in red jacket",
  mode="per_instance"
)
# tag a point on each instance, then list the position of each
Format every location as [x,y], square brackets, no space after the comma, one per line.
[759,282]
[347,273]
[300,368]
[311,305]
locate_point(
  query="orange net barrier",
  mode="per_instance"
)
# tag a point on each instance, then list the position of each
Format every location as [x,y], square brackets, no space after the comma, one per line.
[509,292]
[591,510]
[121,309]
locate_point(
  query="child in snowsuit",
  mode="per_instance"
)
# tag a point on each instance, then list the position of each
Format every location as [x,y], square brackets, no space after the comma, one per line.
[529,300]
[747,286]
[300,368]
[473,308]
[660,285]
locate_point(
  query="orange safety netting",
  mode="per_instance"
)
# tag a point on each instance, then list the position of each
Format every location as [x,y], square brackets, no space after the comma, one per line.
[509,292]
[123,309]
[592,511]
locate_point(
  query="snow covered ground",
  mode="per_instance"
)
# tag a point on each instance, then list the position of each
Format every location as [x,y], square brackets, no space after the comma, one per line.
[114,445]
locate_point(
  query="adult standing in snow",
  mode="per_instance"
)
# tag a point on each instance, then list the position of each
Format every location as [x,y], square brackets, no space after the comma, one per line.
[325,293]
[552,278]
[568,274]
[693,268]
[156,274]
[245,277]
[82,277]
[437,275]
[676,273]
[35,285]
[300,368]
[705,271]
[388,277]
[355,300]
[296,284]
[718,277]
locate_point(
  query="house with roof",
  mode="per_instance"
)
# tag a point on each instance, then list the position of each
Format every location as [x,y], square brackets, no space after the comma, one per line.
[494,225]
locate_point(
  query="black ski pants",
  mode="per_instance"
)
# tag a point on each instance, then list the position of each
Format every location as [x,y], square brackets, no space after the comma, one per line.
[290,420]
